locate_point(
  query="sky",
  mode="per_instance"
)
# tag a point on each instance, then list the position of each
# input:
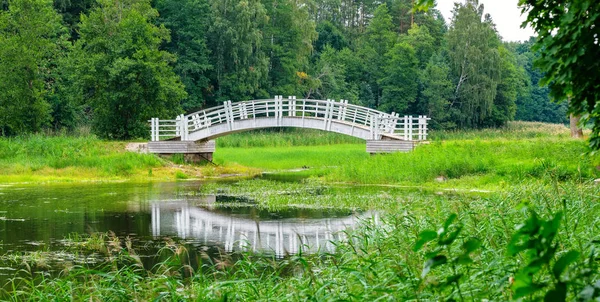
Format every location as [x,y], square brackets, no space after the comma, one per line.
[505,13]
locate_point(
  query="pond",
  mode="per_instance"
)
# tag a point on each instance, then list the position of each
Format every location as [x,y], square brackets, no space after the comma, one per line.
[48,218]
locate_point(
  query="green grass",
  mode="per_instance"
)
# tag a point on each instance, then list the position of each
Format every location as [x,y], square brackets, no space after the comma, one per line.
[534,237]
[284,137]
[511,131]
[381,261]
[26,157]
[464,163]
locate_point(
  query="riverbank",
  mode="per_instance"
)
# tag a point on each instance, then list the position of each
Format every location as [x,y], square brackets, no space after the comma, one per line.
[421,247]
[506,214]
[489,159]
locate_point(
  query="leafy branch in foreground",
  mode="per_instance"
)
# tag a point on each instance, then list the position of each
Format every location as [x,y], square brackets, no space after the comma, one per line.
[443,255]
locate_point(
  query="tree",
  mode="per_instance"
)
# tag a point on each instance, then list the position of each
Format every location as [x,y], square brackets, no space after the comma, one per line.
[32,39]
[475,63]
[400,85]
[290,34]
[236,39]
[437,90]
[568,41]
[373,46]
[512,81]
[122,74]
[70,11]
[329,34]
[188,21]
[332,77]
[534,102]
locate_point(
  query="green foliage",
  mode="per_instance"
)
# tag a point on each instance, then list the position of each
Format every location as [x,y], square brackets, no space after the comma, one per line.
[437,91]
[474,62]
[529,151]
[235,39]
[32,39]
[25,155]
[568,43]
[512,81]
[399,86]
[329,34]
[290,35]
[534,102]
[188,22]
[373,46]
[414,251]
[122,75]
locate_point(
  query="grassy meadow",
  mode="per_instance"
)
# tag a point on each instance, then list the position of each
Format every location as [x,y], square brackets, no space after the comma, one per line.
[480,159]
[486,215]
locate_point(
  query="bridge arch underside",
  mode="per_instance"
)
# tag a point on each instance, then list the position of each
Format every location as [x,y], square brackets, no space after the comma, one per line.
[341,127]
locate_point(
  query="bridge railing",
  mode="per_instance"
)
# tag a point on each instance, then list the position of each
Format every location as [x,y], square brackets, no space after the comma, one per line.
[328,111]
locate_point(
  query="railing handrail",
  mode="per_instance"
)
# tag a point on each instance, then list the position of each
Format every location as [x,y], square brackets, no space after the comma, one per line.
[379,123]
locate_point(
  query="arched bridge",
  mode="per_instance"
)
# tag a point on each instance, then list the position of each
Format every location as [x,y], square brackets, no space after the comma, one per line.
[383,132]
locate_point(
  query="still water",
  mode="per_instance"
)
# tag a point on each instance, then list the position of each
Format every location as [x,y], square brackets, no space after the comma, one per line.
[43,217]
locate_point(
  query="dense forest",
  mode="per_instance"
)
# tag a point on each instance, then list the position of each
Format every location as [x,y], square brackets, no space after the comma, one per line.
[113,64]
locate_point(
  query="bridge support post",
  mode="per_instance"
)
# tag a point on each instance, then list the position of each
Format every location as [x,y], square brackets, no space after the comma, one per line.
[192,151]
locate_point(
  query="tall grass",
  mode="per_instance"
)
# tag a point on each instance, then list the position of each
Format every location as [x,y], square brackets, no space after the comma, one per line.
[85,155]
[284,137]
[511,131]
[472,163]
[413,253]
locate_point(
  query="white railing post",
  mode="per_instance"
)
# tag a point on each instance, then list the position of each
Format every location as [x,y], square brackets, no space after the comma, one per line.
[420,122]
[243,111]
[405,127]
[372,127]
[279,122]
[228,114]
[178,126]
[153,129]
[425,127]
[410,128]
[253,113]
[276,107]
[185,124]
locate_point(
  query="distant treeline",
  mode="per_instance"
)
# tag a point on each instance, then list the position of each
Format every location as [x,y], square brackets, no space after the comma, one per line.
[113,64]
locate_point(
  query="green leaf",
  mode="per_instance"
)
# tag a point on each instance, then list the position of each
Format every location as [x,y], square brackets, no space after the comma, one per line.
[564,261]
[449,239]
[471,245]
[424,237]
[432,263]
[449,221]
[463,259]
[558,294]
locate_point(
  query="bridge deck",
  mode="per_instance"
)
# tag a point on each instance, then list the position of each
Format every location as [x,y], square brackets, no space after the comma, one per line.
[329,115]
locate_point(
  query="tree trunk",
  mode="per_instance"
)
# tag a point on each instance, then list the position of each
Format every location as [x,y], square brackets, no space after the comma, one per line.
[575,130]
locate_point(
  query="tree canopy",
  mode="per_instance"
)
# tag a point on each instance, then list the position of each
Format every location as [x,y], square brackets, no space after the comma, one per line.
[112,65]
[568,44]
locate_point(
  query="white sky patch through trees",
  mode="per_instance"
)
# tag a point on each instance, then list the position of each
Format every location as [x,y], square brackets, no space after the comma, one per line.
[505,13]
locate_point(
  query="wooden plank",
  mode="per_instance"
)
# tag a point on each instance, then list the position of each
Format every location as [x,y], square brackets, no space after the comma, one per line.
[389,146]
[172,147]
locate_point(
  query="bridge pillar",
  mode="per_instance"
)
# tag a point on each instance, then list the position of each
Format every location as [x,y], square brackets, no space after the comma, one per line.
[195,152]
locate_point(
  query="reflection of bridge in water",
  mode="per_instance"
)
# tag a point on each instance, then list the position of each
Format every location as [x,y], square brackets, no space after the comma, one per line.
[235,233]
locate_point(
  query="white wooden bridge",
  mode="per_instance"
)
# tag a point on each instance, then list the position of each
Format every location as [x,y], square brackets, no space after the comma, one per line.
[193,133]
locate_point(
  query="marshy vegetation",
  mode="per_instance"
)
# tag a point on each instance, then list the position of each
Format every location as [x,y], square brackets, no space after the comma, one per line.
[512,215]
[530,242]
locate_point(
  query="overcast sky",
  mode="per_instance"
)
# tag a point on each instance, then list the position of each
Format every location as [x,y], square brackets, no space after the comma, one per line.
[505,13]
